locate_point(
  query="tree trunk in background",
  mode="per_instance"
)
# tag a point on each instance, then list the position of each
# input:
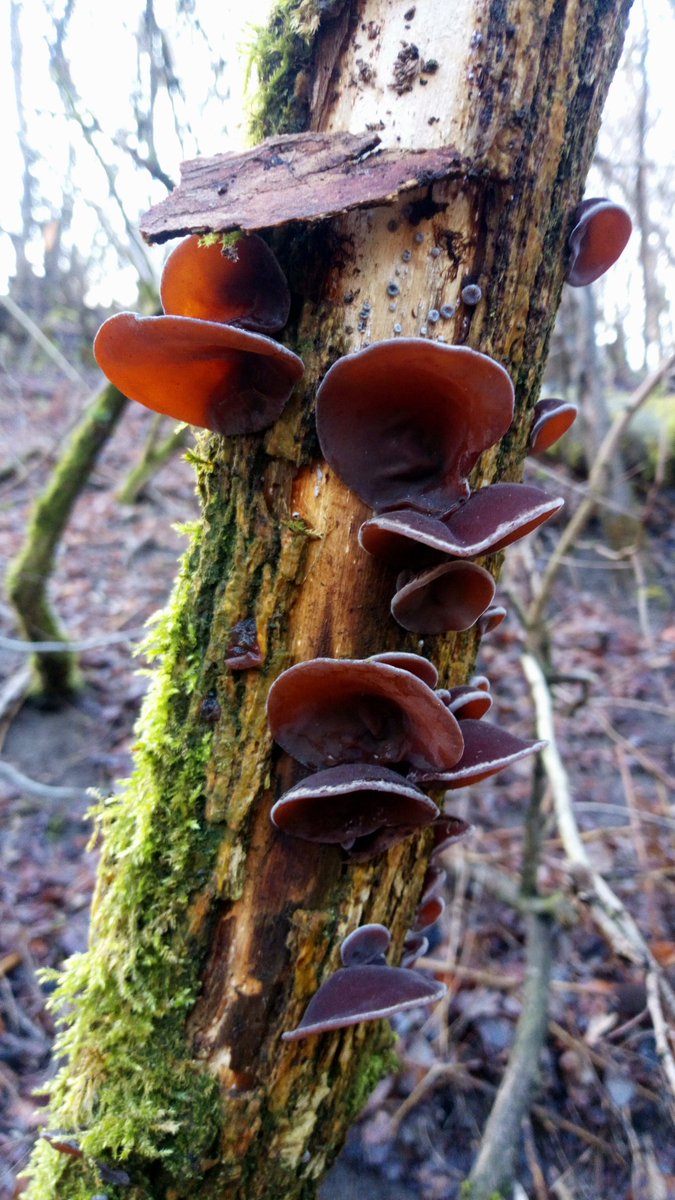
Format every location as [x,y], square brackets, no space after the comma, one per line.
[209,932]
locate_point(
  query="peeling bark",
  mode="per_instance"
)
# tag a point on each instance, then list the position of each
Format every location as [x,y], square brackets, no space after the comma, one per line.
[519,86]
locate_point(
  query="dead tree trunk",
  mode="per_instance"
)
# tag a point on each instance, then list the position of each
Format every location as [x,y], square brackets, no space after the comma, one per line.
[209,934]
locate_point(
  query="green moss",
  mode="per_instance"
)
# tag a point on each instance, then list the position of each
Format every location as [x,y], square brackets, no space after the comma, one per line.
[131,1090]
[280,56]
[375,1066]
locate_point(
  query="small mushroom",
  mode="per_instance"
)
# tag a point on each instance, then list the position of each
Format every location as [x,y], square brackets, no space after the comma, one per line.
[348,804]
[552,419]
[487,750]
[451,596]
[414,946]
[404,421]
[367,944]
[405,661]
[447,830]
[467,702]
[216,376]
[328,711]
[599,236]
[491,619]
[428,913]
[489,520]
[240,285]
[365,993]
[243,647]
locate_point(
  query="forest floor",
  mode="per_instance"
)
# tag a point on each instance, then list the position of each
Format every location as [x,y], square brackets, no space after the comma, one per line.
[603,1121]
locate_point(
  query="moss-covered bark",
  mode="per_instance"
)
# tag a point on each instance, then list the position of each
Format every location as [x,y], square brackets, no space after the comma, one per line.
[210,932]
[56,674]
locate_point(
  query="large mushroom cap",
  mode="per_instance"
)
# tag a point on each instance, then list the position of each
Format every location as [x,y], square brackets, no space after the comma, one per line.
[216,376]
[403,422]
[239,285]
[489,520]
[451,596]
[600,234]
[366,993]
[487,750]
[345,805]
[328,711]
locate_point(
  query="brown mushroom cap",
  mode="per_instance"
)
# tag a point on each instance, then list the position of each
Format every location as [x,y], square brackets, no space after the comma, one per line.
[406,661]
[451,596]
[216,376]
[487,750]
[447,830]
[346,805]
[328,711]
[414,946]
[490,519]
[552,419]
[600,234]
[403,422]
[367,944]
[366,993]
[491,619]
[428,913]
[468,702]
[241,285]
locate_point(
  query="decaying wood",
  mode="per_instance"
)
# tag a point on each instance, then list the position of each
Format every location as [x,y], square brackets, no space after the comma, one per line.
[519,86]
[295,177]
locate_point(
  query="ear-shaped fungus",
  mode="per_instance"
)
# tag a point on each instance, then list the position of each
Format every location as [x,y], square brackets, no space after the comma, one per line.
[599,236]
[451,596]
[207,374]
[467,702]
[403,422]
[238,285]
[406,661]
[367,944]
[489,520]
[552,419]
[414,946]
[349,805]
[447,830]
[491,619]
[428,913]
[365,991]
[332,711]
[487,750]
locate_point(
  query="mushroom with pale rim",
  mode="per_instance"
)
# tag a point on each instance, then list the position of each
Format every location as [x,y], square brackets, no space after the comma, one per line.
[552,419]
[350,804]
[406,661]
[467,701]
[328,711]
[366,991]
[599,236]
[403,422]
[491,619]
[489,520]
[487,750]
[367,944]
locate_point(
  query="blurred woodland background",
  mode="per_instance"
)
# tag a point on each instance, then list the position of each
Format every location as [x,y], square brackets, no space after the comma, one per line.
[94,146]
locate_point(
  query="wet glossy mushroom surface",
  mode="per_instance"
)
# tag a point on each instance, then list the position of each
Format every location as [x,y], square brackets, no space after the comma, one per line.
[487,750]
[328,711]
[600,233]
[238,284]
[451,596]
[217,376]
[403,422]
[552,419]
[365,993]
[344,805]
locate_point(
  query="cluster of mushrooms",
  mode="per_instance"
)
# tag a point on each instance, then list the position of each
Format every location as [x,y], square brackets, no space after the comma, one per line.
[402,423]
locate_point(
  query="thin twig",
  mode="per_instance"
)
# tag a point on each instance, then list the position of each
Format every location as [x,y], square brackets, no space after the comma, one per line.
[43,342]
[108,639]
[41,791]
[663,1048]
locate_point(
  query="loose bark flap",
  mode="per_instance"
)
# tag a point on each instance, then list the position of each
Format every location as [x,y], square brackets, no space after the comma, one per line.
[295,177]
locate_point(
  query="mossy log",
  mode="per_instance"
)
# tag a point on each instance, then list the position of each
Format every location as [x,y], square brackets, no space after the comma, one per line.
[56,676]
[210,931]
